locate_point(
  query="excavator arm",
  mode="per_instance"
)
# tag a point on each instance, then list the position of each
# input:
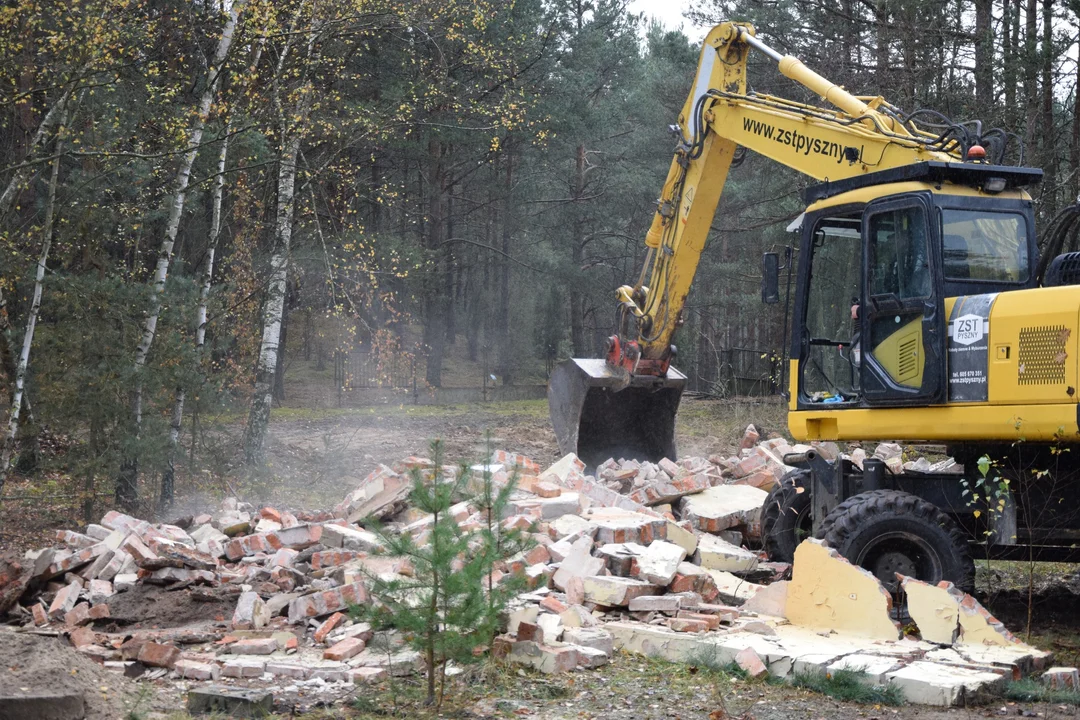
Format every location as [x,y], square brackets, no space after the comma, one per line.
[862,135]
[625,404]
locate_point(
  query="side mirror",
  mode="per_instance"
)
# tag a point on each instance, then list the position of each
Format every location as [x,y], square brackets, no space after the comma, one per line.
[770,278]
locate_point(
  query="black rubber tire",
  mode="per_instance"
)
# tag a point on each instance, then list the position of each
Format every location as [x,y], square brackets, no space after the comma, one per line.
[785,516]
[884,530]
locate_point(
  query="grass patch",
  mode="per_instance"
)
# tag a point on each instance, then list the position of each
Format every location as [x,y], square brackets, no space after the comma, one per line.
[849,686]
[1031,690]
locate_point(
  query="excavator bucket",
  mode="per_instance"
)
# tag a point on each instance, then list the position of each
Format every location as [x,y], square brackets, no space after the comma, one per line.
[599,412]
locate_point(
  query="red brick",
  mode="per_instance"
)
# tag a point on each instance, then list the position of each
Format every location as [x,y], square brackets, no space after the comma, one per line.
[553,604]
[270,514]
[40,616]
[538,554]
[329,624]
[157,655]
[711,621]
[83,636]
[345,649]
[500,648]
[546,490]
[64,601]
[529,631]
[331,558]
[687,625]
[78,615]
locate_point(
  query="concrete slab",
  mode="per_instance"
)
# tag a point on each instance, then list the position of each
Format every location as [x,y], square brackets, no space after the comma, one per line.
[723,507]
[928,683]
[717,554]
[612,591]
[875,667]
[578,563]
[769,600]
[733,589]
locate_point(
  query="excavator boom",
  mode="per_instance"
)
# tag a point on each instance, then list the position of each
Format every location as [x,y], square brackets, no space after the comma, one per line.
[624,405]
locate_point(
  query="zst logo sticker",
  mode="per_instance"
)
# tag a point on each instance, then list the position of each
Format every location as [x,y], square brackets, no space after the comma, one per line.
[968,329]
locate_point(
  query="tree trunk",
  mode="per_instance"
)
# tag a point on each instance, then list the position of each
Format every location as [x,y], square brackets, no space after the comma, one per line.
[1031,76]
[984,57]
[1074,146]
[1008,58]
[127,489]
[31,320]
[169,477]
[434,301]
[274,307]
[20,177]
[1047,134]
[506,361]
[577,298]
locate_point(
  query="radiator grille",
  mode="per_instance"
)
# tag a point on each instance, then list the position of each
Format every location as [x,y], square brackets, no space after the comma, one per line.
[1042,355]
[908,360]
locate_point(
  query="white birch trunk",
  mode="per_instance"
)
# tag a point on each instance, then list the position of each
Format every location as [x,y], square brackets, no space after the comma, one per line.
[31,320]
[19,178]
[127,482]
[274,307]
[168,479]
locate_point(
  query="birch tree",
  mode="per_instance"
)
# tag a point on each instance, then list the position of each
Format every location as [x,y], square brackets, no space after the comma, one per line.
[31,321]
[292,119]
[127,493]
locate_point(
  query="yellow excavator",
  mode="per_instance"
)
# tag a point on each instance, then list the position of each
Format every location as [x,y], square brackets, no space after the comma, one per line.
[921,313]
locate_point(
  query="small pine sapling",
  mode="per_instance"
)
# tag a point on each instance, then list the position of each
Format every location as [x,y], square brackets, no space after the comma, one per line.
[449,606]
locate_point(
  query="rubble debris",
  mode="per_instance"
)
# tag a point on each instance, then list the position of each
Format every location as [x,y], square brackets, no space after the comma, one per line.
[643,557]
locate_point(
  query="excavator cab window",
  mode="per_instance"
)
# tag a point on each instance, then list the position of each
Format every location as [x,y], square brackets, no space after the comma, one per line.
[828,373]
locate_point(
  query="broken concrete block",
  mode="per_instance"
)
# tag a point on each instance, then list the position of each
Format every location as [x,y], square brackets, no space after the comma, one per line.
[875,668]
[230,702]
[251,612]
[243,667]
[590,657]
[827,592]
[723,507]
[579,563]
[732,589]
[561,470]
[551,629]
[193,670]
[682,537]
[349,538]
[567,525]
[615,525]
[620,557]
[254,646]
[616,591]
[596,638]
[659,562]
[654,641]
[716,554]
[544,658]
[526,614]
[665,491]
[577,616]
[656,603]
[928,683]
[769,600]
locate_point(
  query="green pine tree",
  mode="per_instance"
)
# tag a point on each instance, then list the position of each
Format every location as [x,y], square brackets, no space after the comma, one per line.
[451,605]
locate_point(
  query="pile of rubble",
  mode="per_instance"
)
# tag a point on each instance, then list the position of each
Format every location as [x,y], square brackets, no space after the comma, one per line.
[647,558]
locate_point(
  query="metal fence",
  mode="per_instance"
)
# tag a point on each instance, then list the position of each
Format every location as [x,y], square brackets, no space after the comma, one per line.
[738,371]
[364,371]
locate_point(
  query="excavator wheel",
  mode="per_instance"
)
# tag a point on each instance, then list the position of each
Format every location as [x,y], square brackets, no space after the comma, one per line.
[889,532]
[785,516]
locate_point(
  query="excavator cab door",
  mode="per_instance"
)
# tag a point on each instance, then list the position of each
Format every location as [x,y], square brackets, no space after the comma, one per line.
[901,349]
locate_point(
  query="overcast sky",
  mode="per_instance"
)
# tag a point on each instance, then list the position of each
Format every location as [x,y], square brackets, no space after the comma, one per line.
[668,12]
